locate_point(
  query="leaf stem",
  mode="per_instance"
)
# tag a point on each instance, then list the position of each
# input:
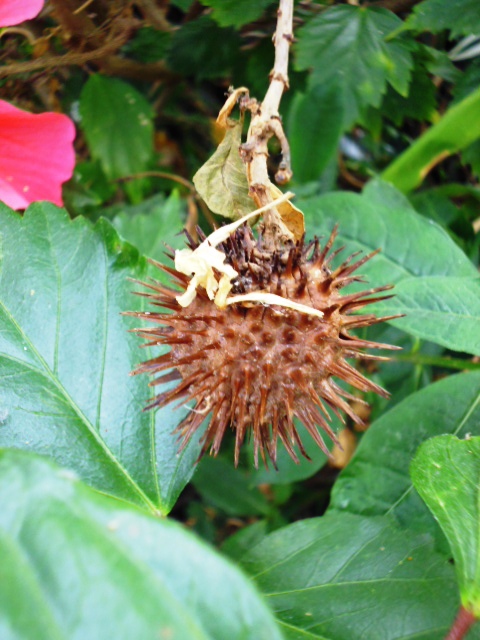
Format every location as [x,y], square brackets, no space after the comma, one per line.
[436,361]
[461,625]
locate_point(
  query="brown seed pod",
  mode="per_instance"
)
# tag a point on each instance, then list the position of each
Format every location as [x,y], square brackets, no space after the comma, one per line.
[254,367]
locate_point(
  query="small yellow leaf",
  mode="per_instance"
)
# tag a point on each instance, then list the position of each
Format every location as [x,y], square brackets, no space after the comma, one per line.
[223,120]
[292,217]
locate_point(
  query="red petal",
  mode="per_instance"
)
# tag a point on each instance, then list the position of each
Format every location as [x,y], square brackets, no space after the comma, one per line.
[16,11]
[36,155]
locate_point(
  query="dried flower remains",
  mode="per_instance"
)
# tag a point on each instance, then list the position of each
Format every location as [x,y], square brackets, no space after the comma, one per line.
[257,338]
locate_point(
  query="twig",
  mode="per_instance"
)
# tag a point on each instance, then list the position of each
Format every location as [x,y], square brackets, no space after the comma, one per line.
[82,7]
[160,174]
[155,15]
[463,622]
[265,124]
[19,30]
[55,62]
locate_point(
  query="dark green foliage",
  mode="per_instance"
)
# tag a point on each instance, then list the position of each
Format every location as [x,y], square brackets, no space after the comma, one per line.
[345,47]
[231,13]
[201,49]
[461,17]
[383,121]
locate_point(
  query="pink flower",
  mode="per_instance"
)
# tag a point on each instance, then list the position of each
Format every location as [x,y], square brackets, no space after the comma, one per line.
[36,155]
[16,11]
[36,151]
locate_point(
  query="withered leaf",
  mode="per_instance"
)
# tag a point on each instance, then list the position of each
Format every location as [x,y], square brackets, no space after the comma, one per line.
[222,180]
[291,216]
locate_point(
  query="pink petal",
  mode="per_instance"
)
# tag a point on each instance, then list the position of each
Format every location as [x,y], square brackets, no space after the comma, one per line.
[36,156]
[16,11]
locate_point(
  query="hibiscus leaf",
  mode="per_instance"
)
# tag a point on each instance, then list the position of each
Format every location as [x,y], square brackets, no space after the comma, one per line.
[377,481]
[347,577]
[66,355]
[76,564]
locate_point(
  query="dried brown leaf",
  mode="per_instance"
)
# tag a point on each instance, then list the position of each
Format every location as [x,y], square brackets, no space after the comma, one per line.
[292,217]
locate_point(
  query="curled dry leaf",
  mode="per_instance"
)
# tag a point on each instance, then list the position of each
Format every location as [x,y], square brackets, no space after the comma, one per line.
[223,119]
[291,216]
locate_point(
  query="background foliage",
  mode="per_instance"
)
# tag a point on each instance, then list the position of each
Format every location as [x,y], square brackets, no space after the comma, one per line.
[383,118]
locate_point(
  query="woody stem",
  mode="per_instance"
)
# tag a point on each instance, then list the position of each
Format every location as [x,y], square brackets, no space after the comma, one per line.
[266,123]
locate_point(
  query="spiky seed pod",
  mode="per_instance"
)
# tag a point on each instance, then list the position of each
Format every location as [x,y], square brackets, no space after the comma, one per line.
[254,367]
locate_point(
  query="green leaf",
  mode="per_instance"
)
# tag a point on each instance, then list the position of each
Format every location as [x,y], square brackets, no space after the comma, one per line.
[456,130]
[471,156]
[439,64]
[444,310]
[419,104]
[416,255]
[89,187]
[445,472]
[231,13]
[66,354]
[151,226]
[382,218]
[435,205]
[222,180]
[76,564]
[461,17]
[376,481]
[184,5]
[315,125]
[346,45]
[468,82]
[345,577]
[215,49]
[148,45]
[228,488]
[118,125]
[244,539]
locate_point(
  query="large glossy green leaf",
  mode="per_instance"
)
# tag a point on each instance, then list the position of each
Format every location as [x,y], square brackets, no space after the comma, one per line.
[440,309]
[381,218]
[346,577]
[66,354]
[456,130]
[345,46]
[76,564]
[416,255]
[461,17]
[118,125]
[445,472]
[377,481]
